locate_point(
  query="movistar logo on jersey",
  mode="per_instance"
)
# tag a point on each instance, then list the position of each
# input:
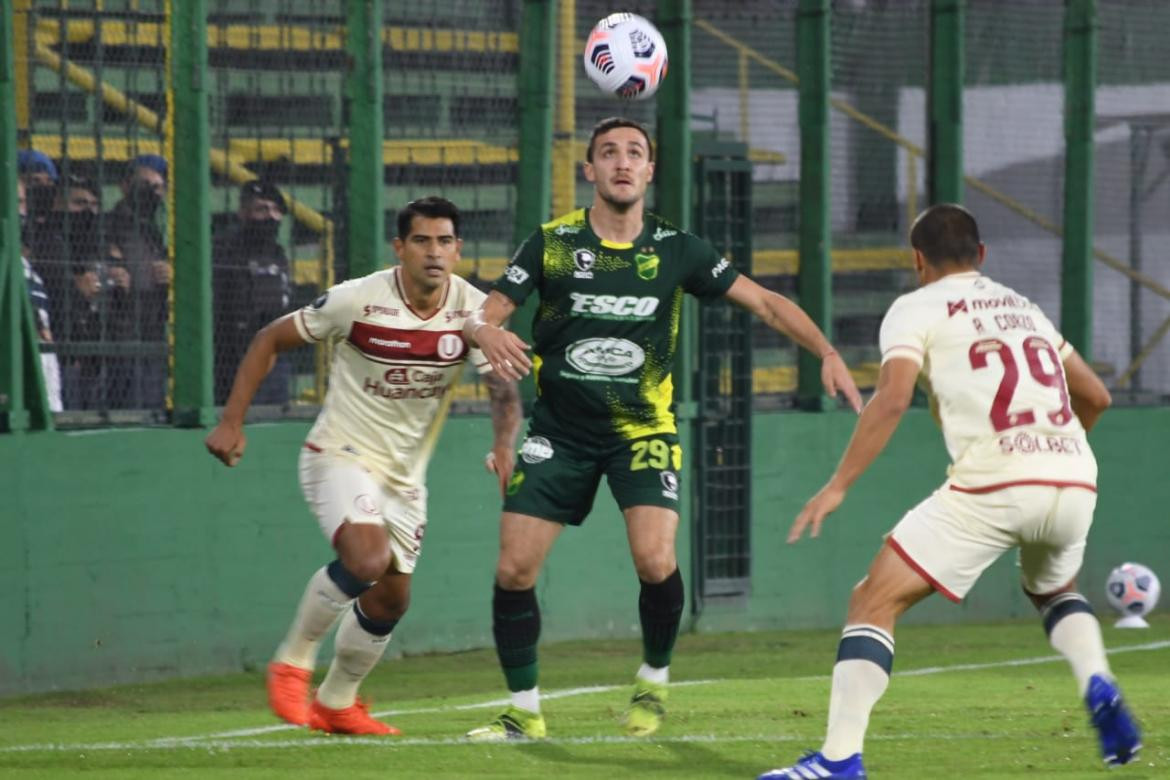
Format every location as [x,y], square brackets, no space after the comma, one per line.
[618,307]
[662,233]
[605,356]
[647,266]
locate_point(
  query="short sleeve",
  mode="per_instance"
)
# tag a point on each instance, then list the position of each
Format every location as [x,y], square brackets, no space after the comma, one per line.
[523,273]
[903,334]
[709,274]
[330,316]
[1049,332]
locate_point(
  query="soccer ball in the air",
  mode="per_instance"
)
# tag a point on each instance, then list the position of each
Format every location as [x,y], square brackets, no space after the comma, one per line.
[626,56]
[1133,590]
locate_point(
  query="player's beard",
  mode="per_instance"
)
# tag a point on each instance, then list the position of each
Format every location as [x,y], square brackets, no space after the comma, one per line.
[620,205]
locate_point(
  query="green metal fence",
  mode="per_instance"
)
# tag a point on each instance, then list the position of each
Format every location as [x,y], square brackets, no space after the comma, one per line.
[363,105]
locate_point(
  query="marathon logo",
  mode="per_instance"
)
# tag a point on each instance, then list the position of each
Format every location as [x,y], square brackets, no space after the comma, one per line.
[397,345]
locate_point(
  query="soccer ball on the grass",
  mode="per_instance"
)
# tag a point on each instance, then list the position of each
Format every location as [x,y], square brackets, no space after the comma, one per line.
[1133,590]
[626,56]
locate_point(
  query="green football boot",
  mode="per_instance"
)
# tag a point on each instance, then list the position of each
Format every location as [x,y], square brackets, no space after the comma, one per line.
[647,708]
[512,723]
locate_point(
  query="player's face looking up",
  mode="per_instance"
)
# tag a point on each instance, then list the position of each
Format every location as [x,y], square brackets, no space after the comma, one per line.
[621,169]
[428,254]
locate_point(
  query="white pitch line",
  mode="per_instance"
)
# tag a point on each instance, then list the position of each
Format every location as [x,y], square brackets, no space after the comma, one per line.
[228,740]
[211,746]
[1044,659]
[481,705]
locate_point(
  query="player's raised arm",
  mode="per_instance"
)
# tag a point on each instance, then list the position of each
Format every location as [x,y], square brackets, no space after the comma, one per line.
[877,424]
[1086,392]
[784,316]
[503,349]
[226,441]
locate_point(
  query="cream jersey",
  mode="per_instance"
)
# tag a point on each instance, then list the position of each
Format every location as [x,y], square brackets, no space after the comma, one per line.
[993,365]
[392,373]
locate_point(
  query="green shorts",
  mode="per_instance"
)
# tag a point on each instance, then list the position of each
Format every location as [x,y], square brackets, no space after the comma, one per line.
[556,479]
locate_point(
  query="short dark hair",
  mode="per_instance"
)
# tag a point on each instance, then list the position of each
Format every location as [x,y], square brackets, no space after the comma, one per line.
[946,234]
[262,189]
[430,207]
[75,182]
[612,123]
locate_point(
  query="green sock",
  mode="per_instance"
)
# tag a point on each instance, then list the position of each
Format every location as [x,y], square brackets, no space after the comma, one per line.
[516,628]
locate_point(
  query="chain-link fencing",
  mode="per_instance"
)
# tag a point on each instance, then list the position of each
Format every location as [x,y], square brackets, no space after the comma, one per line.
[1132,200]
[95,185]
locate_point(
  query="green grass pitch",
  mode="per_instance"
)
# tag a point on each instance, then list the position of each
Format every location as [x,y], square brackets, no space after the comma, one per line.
[985,701]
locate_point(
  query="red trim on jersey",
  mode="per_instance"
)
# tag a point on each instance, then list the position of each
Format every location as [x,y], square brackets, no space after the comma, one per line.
[305,325]
[406,301]
[1004,485]
[409,346]
[913,564]
[312,447]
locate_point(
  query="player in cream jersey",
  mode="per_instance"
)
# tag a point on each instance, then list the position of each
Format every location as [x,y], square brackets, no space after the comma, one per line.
[993,365]
[1014,400]
[399,350]
[392,372]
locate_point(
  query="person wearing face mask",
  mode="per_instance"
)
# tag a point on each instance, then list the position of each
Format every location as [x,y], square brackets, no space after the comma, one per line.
[39,298]
[250,287]
[136,244]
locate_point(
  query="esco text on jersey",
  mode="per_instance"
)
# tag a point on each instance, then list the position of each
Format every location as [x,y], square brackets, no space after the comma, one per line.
[615,305]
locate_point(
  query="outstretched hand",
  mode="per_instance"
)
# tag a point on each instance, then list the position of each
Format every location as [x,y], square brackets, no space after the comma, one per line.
[820,506]
[227,442]
[836,378]
[505,351]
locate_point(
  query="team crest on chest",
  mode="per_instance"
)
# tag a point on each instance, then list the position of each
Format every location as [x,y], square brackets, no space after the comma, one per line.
[647,265]
[583,262]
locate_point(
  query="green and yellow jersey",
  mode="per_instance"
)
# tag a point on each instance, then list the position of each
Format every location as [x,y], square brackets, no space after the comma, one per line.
[606,330]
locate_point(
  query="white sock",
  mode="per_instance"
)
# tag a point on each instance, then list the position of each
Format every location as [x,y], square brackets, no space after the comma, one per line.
[355,652]
[320,605]
[657,676]
[858,683]
[1077,637]
[527,700]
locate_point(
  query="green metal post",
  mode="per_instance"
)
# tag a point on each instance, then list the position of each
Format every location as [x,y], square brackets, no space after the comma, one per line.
[188,138]
[945,102]
[538,33]
[1080,83]
[537,88]
[674,173]
[13,413]
[363,91]
[815,274]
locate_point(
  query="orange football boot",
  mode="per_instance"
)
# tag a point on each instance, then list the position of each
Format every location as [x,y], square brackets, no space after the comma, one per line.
[351,720]
[288,692]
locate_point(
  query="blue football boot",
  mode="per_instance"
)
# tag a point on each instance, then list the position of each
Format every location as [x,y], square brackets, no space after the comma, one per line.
[1121,738]
[814,766]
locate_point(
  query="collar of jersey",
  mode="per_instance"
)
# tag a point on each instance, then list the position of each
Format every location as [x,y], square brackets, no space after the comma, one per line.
[618,244]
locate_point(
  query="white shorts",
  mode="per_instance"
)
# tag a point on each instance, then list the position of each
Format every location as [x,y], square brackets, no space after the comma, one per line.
[953,536]
[340,490]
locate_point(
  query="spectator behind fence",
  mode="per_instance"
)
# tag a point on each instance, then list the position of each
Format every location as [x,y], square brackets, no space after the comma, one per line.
[39,175]
[136,244]
[68,234]
[39,298]
[250,288]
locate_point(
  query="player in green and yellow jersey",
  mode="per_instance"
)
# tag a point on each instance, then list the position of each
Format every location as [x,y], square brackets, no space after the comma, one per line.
[610,281]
